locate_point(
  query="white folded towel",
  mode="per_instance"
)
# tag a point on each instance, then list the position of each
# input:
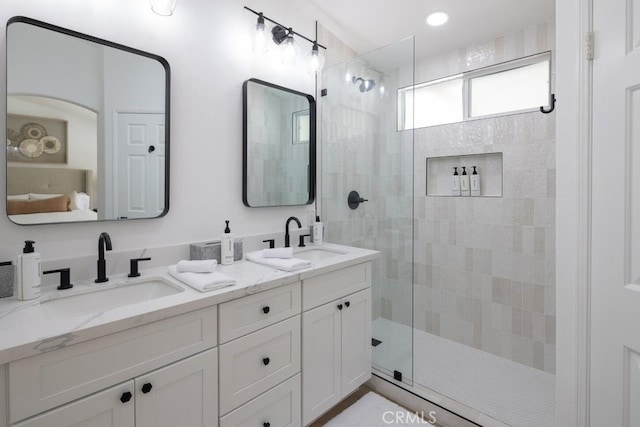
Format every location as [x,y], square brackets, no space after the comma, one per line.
[197,266]
[292,264]
[284,253]
[203,282]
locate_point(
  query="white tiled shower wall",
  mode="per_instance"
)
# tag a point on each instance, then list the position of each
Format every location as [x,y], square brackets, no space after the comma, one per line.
[484,268]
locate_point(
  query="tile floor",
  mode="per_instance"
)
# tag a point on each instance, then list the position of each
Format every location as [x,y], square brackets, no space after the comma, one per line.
[509,392]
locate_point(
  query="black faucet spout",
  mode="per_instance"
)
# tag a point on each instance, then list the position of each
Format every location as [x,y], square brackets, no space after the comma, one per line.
[286,229]
[104,243]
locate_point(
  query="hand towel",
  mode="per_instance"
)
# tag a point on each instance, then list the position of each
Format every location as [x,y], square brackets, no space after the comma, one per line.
[197,266]
[203,282]
[292,264]
[284,253]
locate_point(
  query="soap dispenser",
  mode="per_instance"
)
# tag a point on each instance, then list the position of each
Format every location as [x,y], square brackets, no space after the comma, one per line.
[464,183]
[317,232]
[455,183]
[29,276]
[226,246]
[475,182]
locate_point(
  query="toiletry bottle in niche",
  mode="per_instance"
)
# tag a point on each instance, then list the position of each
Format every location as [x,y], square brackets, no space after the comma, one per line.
[317,232]
[28,273]
[455,183]
[475,182]
[226,246]
[464,183]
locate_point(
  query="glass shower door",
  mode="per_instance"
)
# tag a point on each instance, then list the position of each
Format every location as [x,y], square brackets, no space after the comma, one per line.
[362,151]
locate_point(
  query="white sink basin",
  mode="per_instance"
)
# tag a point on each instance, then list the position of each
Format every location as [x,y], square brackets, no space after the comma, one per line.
[103,298]
[316,253]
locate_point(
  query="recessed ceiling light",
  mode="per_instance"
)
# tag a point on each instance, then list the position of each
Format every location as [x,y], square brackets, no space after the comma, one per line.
[436,19]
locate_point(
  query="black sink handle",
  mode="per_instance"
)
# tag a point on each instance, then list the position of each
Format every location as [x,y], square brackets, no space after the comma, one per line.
[354,199]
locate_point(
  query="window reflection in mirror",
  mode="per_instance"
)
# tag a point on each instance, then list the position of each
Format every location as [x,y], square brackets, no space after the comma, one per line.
[87,127]
[279,145]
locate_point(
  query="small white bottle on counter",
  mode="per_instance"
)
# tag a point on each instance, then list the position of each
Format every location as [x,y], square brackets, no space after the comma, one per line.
[28,273]
[317,232]
[226,246]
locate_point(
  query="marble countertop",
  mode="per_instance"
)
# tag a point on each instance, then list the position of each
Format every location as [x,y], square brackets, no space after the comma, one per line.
[27,329]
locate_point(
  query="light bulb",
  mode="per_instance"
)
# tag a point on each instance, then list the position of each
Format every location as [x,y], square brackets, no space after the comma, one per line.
[289,52]
[261,38]
[163,7]
[315,60]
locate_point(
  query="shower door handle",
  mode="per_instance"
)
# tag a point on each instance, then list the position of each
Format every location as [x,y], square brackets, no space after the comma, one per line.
[354,200]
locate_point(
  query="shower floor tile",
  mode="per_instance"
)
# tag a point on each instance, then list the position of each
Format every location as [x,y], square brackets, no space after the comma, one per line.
[507,391]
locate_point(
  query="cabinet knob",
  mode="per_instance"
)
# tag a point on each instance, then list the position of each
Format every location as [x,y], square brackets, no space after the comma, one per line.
[126,396]
[265,309]
[339,306]
[146,388]
[267,424]
[347,303]
[266,361]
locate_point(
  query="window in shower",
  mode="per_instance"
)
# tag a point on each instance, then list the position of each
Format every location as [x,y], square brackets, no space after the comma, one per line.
[435,103]
[510,87]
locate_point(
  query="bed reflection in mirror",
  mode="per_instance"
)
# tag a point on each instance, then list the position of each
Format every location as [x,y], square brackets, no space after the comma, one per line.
[87,127]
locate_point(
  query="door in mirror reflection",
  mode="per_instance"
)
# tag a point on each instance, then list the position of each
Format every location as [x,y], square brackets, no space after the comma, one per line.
[279,145]
[87,127]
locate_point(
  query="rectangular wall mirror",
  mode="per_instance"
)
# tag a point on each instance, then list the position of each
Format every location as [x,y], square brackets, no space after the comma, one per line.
[87,127]
[279,137]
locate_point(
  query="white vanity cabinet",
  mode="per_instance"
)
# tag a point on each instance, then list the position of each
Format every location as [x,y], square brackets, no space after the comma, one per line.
[336,343]
[177,395]
[169,367]
[277,353]
[260,359]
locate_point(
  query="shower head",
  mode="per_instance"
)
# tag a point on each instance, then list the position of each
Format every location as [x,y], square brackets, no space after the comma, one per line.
[365,85]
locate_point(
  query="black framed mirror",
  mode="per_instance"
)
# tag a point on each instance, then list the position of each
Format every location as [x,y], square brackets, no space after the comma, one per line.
[87,127]
[279,145]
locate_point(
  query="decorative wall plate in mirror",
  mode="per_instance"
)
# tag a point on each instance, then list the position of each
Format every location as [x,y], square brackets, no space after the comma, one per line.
[279,145]
[87,119]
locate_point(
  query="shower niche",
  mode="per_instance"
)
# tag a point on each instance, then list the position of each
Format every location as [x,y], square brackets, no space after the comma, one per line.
[439,173]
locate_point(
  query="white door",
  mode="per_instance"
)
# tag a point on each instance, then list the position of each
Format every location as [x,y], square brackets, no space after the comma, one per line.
[109,408]
[615,260]
[140,165]
[182,394]
[356,340]
[320,360]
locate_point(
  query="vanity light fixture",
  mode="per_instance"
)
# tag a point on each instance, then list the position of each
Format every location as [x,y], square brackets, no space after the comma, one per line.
[163,7]
[284,36]
[435,19]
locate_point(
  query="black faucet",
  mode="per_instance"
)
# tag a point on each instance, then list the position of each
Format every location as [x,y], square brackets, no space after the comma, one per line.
[104,242]
[286,229]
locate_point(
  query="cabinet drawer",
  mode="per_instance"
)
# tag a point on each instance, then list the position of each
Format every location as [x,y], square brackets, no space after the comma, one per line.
[248,314]
[256,362]
[280,407]
[331,286]
[101,409]
[51,379]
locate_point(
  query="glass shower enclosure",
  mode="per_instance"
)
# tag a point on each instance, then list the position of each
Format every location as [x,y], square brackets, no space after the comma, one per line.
[363,151]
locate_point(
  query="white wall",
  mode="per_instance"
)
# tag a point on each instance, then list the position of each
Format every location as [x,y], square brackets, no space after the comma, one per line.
[207,44]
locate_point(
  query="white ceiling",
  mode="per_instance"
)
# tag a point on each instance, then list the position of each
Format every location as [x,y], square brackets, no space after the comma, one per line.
[365,25]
